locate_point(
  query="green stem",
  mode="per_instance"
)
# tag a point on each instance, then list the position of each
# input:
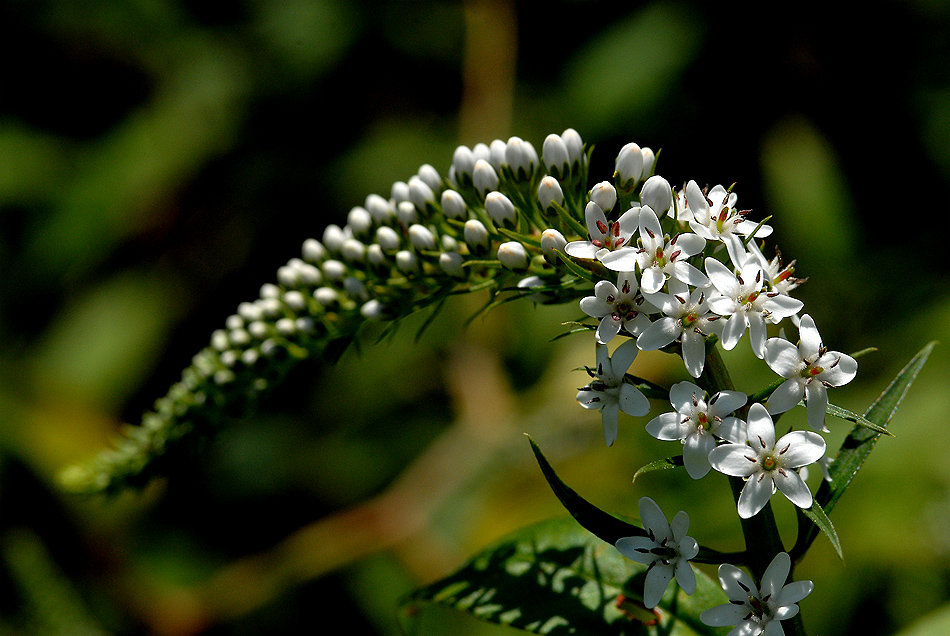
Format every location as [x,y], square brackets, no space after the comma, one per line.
[762,538]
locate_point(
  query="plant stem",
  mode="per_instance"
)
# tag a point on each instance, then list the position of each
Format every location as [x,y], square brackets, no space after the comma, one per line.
[760,532]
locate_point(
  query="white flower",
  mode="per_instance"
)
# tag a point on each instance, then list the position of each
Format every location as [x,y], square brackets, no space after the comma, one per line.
[619,306]
[754,610]
[658,256]
[687,319]
[698,422]
[808,368]
[603,236]
[666,550]
[778,275]
[746,304]
[716,219]
[608,393]
[766,463]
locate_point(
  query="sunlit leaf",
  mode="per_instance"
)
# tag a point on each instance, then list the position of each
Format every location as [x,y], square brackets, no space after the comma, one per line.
[557,578]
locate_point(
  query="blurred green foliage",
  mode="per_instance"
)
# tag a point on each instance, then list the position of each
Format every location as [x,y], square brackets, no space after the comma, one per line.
[159,159]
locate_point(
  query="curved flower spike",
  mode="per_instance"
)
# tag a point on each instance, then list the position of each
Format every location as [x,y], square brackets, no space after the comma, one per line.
[809,370]
[608,393]
[667,551]
[766,463]
[758,610]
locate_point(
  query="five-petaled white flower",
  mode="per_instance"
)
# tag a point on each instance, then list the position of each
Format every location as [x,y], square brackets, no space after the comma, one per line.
[758,610]
[666,550]
[745,304]
[608,393]
[619,306]
[699,422]
[687,318]
[716,219]
[809,369]
[603,236]
[766,463]
[658,256]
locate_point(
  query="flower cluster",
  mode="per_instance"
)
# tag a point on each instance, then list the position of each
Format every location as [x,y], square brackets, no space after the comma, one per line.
[657,268]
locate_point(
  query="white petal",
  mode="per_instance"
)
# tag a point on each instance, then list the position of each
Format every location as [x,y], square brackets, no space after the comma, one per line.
[757,334]
[682,394]
[611,414]
[727,402]
[669,427]
[622,260]
[592,215]
[809,336]
[783,306]
[816,399]
[581,249]
[637,549]
[686,577]
[755,494]
[794,487]
[724,615]
[735,326]
[632,402]
[654,520]
[804,447]
[595,307]
[649,223]
[629,221]
[688,274]
[736,460]
[775,575]
[623,357]
[732,429]
[722,278]
[761,429]
[736,584]
[696,454]
[652,280]
[607,329]
[689,244]
[679,527]
[842,372]
[659,334]
[783,357]
[794,592]
[786,396]
[694,353]
[658,578]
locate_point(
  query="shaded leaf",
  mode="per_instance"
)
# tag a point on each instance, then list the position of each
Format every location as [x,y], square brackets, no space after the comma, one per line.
[556,578]
[818,517]
[660,464]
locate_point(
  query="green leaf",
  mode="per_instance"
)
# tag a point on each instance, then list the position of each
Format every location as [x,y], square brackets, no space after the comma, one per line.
[555,578]
[820,520]
[845,414]
[860,442]
[660,464]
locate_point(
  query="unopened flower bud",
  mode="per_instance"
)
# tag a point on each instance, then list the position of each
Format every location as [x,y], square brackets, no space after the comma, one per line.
[463,160]
[334,270]
[500,209]
[551,241]
[387,238]
[287,276]
[372,310]
[295,301]
[648,159]
[657,194]
[258,329]
[451,264]
[549,192]
[250,312]
[420,193]
[528,283]
[575,147]
[484,177]
[375,255]
[497,154]
[219,340]
[449,244]
[521,157]
[380,209]
[421,237]
[604,195]
[270,290]
[326,296]
[476,236]
[407,262]
[333,237]
[308,274]
[407,213]
[556,158]
[360,222]
[271,307]
[453,205]
[234,322]
[313,251]
[399,192]
[513,255]
[629,166]
[481,151]
[286,326]
[353,251]
[430,176]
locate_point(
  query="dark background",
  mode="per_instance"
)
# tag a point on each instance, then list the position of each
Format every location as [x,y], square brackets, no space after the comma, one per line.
[159,161]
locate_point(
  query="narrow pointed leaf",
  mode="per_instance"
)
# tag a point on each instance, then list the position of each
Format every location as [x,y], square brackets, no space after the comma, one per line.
[817,516]
[556,578]
[845,414]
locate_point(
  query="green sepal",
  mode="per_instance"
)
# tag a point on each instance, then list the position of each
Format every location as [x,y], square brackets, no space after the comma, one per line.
[575,269]
[524,239]
[660,464]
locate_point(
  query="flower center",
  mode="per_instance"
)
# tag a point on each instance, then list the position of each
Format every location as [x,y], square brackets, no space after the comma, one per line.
[769,462]
[811,371]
